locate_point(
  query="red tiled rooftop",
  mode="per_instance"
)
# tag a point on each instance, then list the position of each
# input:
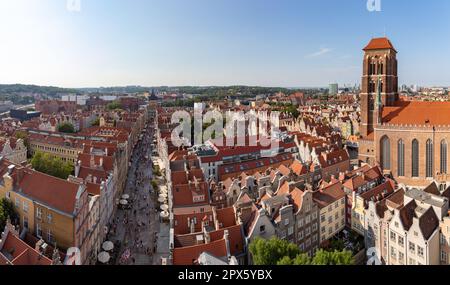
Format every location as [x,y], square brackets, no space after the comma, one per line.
[379,43]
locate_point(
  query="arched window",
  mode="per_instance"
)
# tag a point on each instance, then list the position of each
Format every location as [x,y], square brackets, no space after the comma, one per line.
[443,157]
[429,158]
[385,153]
[401,158]
[415,158]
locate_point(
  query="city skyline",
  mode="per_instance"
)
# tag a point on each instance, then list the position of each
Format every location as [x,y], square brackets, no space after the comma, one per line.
[171,43]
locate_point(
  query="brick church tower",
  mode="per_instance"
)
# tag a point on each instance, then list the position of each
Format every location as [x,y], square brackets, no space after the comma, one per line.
[379,78]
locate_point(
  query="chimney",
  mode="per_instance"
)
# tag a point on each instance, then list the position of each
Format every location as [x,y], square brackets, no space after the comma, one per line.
[227,243]
[216,221]
[77,168]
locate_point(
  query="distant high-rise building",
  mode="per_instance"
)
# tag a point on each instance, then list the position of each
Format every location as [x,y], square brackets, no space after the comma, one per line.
[334,89]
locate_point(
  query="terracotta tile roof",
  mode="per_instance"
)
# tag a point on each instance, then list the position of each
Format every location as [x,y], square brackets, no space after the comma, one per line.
[51,191]
[418,113]
[226,217]
[298,168]
[217,247]
[428,223]
[181,226]
[284,170]
[379,43]
[297,198]
[183,195]
[329,195]
[21,253]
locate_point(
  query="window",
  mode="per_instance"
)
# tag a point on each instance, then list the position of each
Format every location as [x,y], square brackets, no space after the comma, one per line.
[314,227]
[393,236]
[443,240]
[39,213]
[300,223]
[415,158]
[385,153]
[314,216]
[25,222]
[308,219]
[314,238]
[400,241]
[393,253]
[322,230]
[17,202]
[401,158]
[38,231]
[50,236]
[401,257]
[429,158]
[49,218]
[262,229]
[300,235]
[412,261]
[322,219]
[420,251]
[330,219]
[412,247]
[444,257]
[443,157]
[308,231]
[286,222]
[290,231]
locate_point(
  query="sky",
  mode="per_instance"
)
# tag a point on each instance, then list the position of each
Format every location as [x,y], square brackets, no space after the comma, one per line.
[285,43]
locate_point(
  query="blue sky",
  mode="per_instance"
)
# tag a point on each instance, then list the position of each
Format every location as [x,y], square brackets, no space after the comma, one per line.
[288,43]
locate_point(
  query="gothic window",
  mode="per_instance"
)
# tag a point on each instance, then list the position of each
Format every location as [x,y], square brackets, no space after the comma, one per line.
[443,157]
[401,158]
[415,158]
[429,158]
[385,153]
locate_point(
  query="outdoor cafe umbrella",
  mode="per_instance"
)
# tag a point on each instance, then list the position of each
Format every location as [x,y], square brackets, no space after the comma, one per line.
[163,196]
[164,214]
[164,207]
[104,257]
[123,202]
[107,246]
[125,196]
[161,200]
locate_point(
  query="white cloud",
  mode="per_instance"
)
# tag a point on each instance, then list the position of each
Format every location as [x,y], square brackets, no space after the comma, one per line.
[320,52]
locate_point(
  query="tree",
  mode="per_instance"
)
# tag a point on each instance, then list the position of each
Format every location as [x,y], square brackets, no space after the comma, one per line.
[45,163]
[269,252]
[114,106]
[7,210]
[336,257]
[96,122]
[66,128]
[23,136]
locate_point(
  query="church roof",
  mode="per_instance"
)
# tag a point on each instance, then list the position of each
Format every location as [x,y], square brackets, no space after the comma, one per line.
[417,113]
[379,43]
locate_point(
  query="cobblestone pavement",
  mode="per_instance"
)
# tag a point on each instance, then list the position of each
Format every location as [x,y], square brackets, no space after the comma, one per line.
[137,227]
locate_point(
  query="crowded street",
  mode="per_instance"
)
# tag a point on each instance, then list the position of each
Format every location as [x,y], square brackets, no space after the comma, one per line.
[136,223]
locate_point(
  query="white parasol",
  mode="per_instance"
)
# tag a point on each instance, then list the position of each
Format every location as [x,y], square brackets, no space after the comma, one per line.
[104,257]
[107,246]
